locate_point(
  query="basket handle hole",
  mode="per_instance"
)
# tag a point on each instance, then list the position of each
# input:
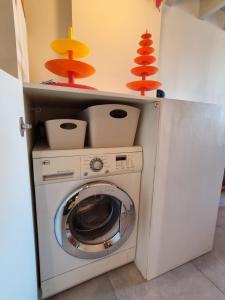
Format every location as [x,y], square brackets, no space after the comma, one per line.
[68,126]
[118,113]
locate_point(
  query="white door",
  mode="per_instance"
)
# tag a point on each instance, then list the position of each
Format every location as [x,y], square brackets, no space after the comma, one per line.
[17,252]
[189,172]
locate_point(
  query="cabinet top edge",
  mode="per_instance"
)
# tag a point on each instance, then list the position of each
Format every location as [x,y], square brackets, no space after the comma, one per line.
[33,90]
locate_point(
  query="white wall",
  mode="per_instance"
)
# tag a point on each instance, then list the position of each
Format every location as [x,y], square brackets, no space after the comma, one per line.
[192,61]
[112,30]
[46,21]
[13,49]
[8,59]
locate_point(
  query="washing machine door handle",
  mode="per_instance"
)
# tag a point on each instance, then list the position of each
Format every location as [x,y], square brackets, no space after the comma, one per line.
[123,219]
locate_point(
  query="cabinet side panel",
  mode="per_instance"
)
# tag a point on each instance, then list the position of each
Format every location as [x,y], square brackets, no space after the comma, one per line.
[147,138]
[21,41]
[189,171]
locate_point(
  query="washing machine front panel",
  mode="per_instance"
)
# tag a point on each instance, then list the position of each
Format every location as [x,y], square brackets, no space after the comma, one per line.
[54,260]
[95,220]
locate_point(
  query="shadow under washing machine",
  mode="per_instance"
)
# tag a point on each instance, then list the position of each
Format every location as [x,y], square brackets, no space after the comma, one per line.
[87,208]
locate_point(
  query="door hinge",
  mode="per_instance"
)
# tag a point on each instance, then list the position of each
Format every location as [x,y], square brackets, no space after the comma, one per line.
[23,126]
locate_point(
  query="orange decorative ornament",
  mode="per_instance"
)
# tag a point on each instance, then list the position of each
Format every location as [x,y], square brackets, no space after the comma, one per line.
[68,67]
[144,70]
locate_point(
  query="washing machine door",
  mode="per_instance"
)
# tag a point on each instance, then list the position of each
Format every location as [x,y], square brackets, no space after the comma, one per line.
[95,220]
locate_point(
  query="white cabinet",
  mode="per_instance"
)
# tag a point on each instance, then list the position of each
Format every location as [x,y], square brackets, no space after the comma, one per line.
[179,221]
[183,145]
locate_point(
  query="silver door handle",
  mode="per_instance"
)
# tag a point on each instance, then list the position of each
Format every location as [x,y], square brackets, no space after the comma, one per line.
[23,126]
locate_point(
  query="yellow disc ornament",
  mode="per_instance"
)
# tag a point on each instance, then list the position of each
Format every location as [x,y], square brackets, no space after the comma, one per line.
[62,47]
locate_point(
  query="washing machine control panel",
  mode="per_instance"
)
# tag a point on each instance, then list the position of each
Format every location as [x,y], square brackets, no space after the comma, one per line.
[52,166]
[110,164]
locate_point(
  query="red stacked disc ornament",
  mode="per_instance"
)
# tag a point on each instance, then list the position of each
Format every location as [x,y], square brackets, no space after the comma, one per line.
[144,60]
[68,67]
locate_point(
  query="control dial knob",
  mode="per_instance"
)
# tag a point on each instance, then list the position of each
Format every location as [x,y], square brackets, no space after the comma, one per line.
[96,164]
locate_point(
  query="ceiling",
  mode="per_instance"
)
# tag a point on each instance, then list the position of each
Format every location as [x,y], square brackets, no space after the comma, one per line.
[207,7]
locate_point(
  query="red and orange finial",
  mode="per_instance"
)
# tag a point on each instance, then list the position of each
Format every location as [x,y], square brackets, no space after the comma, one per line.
[68,67]
[145,59]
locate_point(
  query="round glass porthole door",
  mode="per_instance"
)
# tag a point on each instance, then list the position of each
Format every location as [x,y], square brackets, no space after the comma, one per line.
[94,220]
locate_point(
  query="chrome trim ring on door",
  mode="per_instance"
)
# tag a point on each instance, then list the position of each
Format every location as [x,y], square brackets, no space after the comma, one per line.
[80,249]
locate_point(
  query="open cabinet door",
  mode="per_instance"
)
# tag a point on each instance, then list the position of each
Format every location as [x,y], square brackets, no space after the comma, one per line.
[17,251]
[189,172]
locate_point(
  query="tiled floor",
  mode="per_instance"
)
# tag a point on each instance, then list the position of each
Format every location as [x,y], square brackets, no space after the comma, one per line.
[201,279]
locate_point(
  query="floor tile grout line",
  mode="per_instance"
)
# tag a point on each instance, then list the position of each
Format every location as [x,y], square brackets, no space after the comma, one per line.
[114,291]
[213,283]
[218,258]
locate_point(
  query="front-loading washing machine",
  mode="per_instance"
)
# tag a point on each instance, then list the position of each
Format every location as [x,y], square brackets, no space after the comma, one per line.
[87,210]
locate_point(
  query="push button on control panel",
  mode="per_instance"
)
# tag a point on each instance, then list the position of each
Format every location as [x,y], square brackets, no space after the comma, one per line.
[124,162]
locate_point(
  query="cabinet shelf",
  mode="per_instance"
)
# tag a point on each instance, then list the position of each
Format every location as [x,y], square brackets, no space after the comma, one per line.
[40,94]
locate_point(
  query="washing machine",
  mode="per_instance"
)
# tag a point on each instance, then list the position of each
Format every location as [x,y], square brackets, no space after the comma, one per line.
[87,212]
